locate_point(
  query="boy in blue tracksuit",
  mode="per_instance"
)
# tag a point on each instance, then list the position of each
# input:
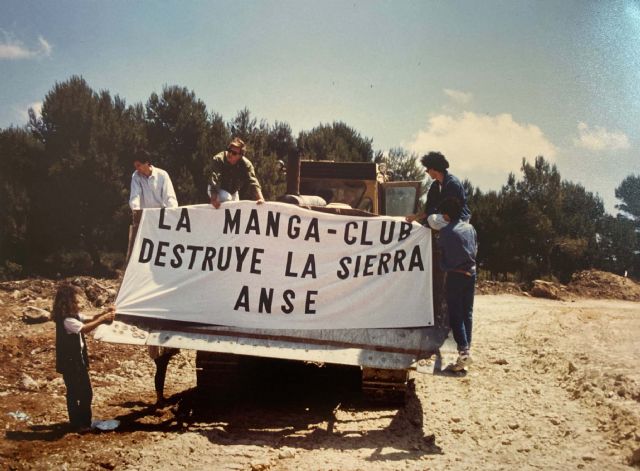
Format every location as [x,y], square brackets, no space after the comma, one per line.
[458,244]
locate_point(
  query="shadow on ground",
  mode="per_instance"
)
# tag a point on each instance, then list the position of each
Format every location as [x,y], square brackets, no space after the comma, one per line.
[302,407]
[307,408]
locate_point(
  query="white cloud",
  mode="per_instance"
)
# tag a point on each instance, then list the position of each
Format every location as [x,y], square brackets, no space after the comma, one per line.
[36,106]
[45,47]
[599,138]
[22,112]
[13,49]
[483,149]
[457,96]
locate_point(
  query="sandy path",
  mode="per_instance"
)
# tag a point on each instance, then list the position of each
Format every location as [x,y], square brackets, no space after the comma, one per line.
[525,403]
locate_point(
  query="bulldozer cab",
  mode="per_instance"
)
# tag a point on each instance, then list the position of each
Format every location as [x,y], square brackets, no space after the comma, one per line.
[358,185]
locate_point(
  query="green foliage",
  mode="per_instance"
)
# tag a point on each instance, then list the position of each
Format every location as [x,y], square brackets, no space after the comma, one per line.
[539,226]
[181,140]
[617,243]
[86,136]
[265,146]
[574,246]
[10,270]
[281,142]
[487,213]
[629,193]
[20,181]
[402,165]
[337,142]
[621,240]
[531,209]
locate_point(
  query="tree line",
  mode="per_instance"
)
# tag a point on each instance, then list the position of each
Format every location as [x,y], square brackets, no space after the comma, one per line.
[543,226]
[65,177]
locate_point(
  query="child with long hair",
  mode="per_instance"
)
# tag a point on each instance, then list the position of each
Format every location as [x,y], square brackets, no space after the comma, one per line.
[71,352]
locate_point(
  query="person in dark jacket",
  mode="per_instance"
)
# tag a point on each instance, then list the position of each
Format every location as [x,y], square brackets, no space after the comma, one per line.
[458,245]
[72,359]
[444,185]
[233,177]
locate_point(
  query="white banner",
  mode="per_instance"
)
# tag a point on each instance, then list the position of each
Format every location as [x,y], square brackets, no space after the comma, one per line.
[278,266]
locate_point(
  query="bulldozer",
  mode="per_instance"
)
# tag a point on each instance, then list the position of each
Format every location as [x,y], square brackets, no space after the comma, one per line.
[228,358]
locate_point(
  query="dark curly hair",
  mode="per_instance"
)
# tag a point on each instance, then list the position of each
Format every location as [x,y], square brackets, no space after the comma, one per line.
[65,302]
[141,155]
[436,161]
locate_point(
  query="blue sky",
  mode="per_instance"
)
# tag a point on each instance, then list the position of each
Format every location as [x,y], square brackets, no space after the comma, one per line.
[487,83]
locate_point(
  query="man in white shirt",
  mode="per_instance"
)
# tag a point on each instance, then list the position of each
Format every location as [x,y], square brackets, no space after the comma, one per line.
[151,186]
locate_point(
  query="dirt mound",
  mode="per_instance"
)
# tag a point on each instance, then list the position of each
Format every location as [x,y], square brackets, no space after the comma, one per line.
[593,284]
[549,290]
[603,285]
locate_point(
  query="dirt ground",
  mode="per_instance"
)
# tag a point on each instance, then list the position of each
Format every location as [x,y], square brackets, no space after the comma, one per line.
[555,385]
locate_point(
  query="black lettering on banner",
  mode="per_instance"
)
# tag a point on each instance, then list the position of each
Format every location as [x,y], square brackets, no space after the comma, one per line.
[160,253]
[310,302]
[384,238]
[356,270]
[363,234]
[416,259]
[405,230]
[231,223]
[241,254]
[273,223]
[368,265]
[287,296]
[243,299]
[309,267]
[223,264]
[178,250]
[343,274]
[161,224]
[287,270]
[254,223]
[293,231]
[184,220]
[397,260]
[266,300]
[255,261]
[350,267]
[209,253]
[194,251]
[383,265]
[147,244]
[313,231]
[347,239]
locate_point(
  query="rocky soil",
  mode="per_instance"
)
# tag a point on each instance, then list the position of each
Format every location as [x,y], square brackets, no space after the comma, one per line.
[555,385]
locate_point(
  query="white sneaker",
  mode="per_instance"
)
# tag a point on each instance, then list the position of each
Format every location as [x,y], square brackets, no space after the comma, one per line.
[464,360]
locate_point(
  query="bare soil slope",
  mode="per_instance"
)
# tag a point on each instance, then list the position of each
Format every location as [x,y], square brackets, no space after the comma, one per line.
[603,285]
[555,386]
